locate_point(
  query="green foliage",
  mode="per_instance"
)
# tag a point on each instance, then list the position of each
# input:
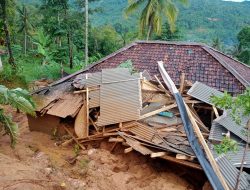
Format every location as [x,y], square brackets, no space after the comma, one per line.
[129,65]
[244,45]
[104,42]
[76,149]
[239,105]
[168,35]
[226,145]
[19,99]
[152,14]
[9,126]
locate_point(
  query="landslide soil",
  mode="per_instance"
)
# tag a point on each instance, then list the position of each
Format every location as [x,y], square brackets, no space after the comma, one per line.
[38,163]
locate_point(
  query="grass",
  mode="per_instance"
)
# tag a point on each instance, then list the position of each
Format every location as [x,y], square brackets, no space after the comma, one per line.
[30,69]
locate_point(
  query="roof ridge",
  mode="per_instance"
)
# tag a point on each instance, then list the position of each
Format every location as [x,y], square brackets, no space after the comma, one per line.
[229,56]
[227,66]
[170,42]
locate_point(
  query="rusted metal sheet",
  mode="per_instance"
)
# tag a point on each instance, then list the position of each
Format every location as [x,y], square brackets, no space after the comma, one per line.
[120,102]
[67,105]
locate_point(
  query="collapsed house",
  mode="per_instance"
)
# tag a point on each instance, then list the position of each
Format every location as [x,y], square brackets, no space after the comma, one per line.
[134,107]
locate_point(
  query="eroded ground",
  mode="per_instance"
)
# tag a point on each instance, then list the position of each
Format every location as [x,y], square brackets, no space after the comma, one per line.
[38,163]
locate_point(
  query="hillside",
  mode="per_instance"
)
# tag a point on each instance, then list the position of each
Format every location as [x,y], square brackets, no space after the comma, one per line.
[202,20]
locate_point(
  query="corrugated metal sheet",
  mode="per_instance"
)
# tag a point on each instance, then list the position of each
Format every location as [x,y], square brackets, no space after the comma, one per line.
[120,102]
[146,75]
[94,79]
[117,75]
[236,157]
[94,98]
[203,92]
[230,173]
[67,105]
[217,131]
[239,130]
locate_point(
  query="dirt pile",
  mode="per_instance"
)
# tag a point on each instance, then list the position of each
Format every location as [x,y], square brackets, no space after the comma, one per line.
[37,163]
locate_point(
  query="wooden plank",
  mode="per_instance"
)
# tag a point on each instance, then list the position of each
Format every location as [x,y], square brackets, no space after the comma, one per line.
[93,123]
[80,125]
[216,112]
[83,91]
[182,83]
[198,120]
[165,108]
[72,136]
[116,139]
[184,157]
[127,150]
[157,154]
[161,85]
[206,149]
[87,107]
[182,162]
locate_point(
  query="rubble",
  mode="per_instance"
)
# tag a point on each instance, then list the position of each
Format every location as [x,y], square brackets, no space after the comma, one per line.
[144,116]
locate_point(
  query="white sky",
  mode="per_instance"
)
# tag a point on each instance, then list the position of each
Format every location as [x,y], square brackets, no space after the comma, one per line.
[234,0]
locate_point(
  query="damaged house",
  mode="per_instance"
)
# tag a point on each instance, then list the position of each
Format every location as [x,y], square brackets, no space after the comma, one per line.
[123,97]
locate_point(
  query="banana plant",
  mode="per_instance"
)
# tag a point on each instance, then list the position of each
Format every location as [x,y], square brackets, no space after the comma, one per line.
[42,41]
[19,99]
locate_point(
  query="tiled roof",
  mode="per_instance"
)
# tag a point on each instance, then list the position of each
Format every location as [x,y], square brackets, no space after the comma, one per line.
[198,61]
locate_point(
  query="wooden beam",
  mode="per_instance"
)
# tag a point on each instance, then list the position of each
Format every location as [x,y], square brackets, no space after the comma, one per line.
[74,138]
[161,85]
[127,150]
[82,91]
[206,149]
[216,112]
[182,82]
[165,108]
[157,154]
[87,107]
[182,162]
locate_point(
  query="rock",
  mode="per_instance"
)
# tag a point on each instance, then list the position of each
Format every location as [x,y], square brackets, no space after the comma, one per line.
[48,171]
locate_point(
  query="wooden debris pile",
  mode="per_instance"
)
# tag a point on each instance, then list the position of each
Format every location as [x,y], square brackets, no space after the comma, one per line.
[137,111]
[140,114]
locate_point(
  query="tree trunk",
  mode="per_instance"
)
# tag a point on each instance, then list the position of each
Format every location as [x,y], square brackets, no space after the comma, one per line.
[244,157]
[149,32]
[7,37]
[70,51]
[86,32]
[25,42]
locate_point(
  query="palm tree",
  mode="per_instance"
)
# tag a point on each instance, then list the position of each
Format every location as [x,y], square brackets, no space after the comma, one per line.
[17,98]
[25,25]
[153,12]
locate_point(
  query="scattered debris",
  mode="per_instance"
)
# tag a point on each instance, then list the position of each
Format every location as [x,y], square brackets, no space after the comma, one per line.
[143,115]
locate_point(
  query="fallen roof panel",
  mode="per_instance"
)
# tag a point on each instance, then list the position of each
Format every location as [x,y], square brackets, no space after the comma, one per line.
[67,105]
[236,157]
[230,173]
[203,92]
[239,130]
[217,132]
